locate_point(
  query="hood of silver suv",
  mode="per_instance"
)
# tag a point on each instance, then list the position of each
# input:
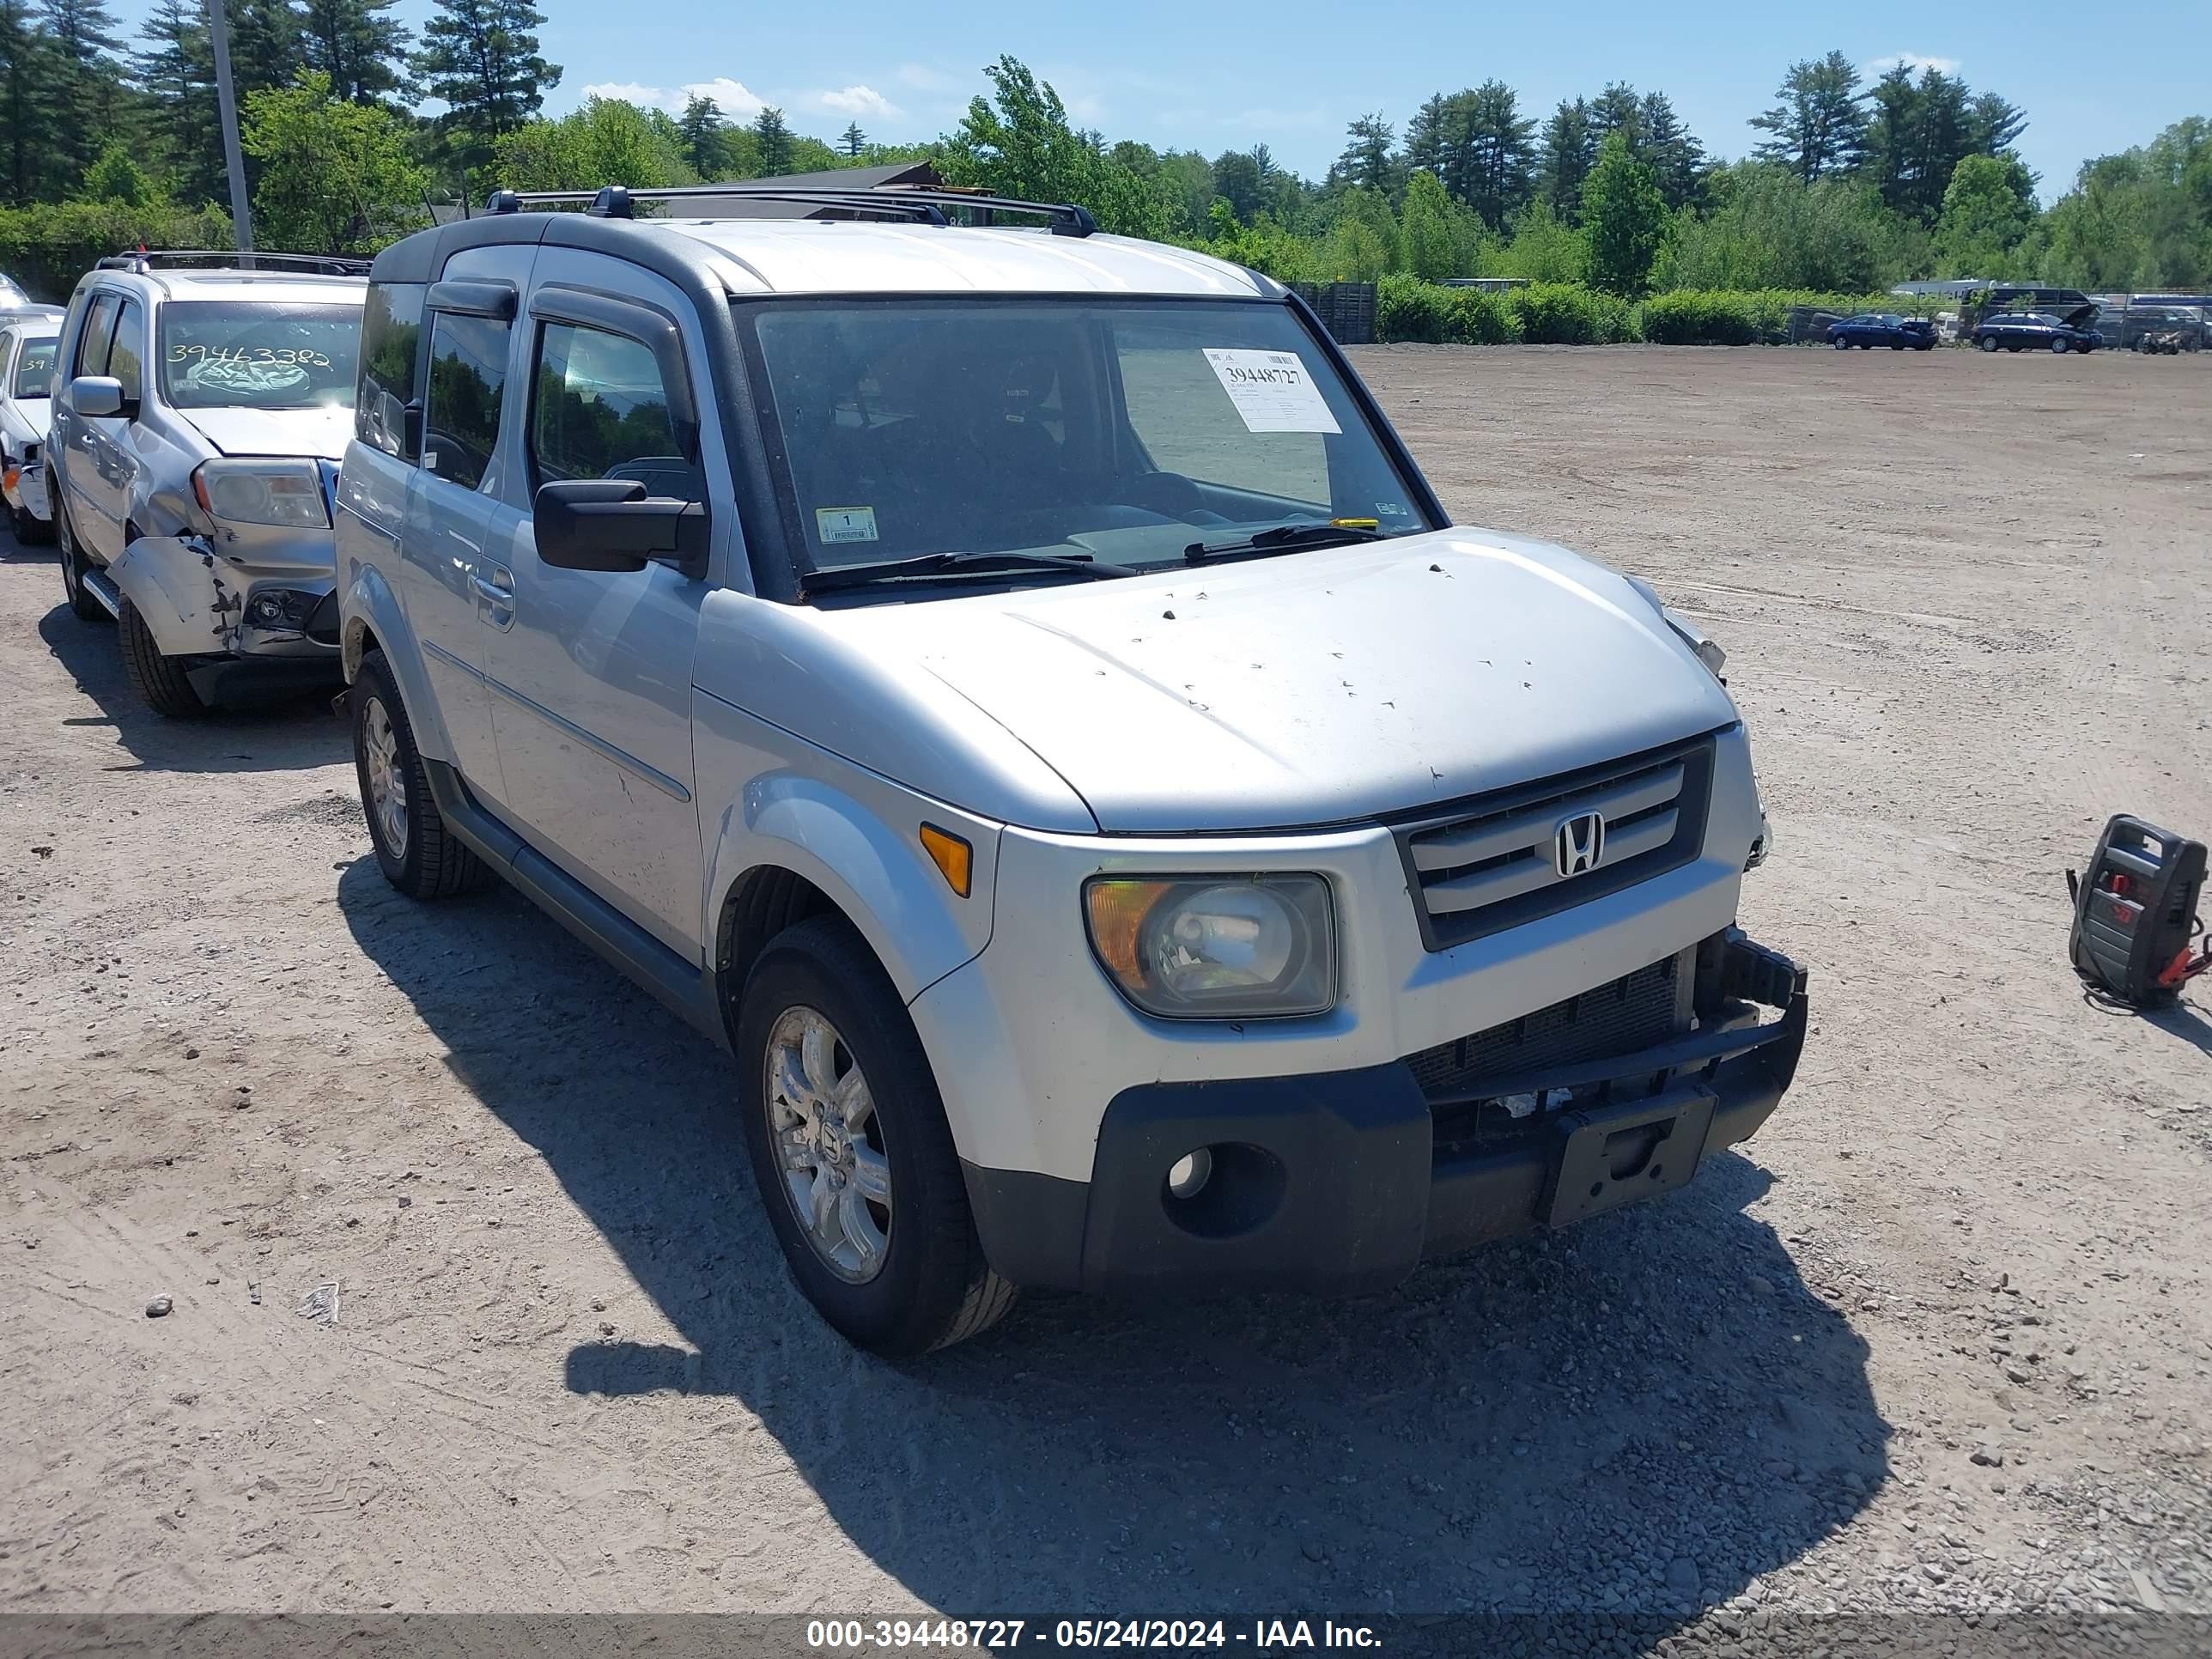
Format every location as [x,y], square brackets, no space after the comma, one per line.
[1317,686]
[322,431]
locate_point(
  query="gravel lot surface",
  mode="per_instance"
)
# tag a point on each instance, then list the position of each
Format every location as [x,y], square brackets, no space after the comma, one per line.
[1939,1339]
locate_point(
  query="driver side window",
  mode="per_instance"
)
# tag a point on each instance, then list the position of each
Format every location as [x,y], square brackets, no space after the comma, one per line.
[126,359]
[99,331]
[600,410]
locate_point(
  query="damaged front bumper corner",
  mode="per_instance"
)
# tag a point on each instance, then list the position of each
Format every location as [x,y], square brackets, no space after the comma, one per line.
[269,620]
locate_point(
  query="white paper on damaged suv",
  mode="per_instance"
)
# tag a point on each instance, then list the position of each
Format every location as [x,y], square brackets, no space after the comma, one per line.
[1017,693]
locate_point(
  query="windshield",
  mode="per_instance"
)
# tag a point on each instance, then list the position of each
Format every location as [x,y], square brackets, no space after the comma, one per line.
[1121,432]
[258,353]
[34,369]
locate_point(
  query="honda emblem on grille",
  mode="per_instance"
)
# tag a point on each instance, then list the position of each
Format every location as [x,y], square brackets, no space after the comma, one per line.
[1579,844]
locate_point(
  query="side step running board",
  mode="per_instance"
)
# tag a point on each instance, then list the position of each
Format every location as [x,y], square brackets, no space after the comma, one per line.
[681,985]
[97,584]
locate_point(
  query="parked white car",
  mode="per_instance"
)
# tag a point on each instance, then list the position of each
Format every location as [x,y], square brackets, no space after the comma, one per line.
[27,374]
[198,418]
[1015,691]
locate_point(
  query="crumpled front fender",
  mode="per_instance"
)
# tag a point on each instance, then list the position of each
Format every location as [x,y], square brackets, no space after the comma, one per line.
[175,584]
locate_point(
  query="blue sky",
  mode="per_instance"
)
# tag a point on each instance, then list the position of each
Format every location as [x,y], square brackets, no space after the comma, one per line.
[1290,74]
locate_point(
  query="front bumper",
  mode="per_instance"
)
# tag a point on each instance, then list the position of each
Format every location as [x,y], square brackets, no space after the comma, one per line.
[1344,1180]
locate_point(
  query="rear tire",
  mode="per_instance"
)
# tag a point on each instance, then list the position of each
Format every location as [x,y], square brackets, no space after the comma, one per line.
[159,681]
[923,1283]
[417,853]
[82,604]
[1989,342]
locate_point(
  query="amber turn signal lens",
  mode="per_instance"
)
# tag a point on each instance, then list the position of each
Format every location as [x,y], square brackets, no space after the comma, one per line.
[1118,910]
[952,855]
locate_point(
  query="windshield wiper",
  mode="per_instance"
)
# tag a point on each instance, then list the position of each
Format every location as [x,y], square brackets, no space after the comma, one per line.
[957,565]
[1339,532]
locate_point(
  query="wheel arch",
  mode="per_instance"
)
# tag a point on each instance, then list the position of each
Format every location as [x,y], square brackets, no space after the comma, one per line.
[370,619]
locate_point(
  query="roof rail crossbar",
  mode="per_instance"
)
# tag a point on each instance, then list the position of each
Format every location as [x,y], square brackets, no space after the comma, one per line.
[923,202]
[154,258]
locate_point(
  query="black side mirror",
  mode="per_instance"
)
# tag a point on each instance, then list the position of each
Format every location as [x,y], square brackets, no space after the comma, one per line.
[613,523]
[410,431]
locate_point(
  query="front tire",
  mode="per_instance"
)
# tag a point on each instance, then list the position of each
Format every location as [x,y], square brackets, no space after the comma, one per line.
[159,681]
[82,604]
[2060,347]
[1842,345]
[417,853]
[851,1152]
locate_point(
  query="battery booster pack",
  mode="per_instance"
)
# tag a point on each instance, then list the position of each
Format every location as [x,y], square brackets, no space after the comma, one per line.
[2135,911]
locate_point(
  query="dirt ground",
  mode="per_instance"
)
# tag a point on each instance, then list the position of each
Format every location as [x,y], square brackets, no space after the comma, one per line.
[1940,1337]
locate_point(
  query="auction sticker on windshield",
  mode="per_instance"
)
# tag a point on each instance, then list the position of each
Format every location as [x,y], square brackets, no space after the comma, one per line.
[1272,391]
[845,523]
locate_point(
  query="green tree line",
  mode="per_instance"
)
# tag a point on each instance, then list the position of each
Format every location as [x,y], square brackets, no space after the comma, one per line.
[1848,185]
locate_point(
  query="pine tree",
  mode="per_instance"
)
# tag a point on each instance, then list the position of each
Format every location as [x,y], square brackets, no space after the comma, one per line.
[268,45]
[1819,126]
[363,51]
[1670,148]
[176,68]
[1367,161]
[1617,109]
[480,58]
[26,61]
[82,97]
[700,129]
[1994,124]
[1565,153]
[772,139]
[854,140]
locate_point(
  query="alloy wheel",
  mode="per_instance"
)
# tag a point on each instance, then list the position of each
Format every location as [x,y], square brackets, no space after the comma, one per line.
[823,1130]
[387,780]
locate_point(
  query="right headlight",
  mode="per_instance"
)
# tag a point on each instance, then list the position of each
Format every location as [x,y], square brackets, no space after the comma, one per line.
[284,492]
[1207,947]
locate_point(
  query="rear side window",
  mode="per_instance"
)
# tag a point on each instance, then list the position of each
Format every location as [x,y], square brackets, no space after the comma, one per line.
[601,411]
[126,361]
[468,374]
[391,365]
[99,331]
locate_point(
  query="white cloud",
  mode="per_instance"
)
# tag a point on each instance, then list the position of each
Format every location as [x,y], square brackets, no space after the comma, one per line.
[1914,61]
[859,100]
[733,98]
[629,91]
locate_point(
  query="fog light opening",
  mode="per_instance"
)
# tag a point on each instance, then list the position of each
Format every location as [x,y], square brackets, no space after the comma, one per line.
[1187,1175]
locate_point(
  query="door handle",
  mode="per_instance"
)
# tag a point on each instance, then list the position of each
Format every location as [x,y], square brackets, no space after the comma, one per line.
[496,595]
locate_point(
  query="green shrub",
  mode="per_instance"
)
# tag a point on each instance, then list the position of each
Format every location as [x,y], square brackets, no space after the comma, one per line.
[1696,317]
[1408,309]
[1566,313]
[46,248]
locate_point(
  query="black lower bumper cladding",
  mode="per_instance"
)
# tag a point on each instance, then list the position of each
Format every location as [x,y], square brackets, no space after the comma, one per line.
[1343,1180]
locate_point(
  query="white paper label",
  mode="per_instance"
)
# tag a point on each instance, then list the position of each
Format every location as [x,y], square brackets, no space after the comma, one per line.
[1272,391]
[844,524]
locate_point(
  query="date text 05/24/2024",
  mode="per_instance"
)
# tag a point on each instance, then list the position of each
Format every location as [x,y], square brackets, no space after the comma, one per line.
[844,1636]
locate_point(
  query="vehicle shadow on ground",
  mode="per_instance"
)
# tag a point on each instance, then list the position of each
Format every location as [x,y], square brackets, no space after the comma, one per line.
[294,731]
[1490,1436]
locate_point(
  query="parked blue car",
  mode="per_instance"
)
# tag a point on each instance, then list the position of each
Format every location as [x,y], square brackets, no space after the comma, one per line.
[2038,330]
[1870,329]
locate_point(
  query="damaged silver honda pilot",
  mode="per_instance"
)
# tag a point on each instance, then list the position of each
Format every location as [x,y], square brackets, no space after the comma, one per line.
[200,411]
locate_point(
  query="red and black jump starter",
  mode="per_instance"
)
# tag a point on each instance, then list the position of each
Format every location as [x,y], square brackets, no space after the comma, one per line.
[2137,931]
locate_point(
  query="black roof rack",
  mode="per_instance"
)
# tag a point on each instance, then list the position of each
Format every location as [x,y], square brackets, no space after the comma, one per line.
[327,265]
[926,204]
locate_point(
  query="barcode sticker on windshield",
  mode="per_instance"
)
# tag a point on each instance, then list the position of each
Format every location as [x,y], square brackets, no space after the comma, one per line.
[845,523]
[1272,391]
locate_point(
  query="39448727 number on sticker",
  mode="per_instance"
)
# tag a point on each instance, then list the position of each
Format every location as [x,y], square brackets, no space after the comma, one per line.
[1272,391]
